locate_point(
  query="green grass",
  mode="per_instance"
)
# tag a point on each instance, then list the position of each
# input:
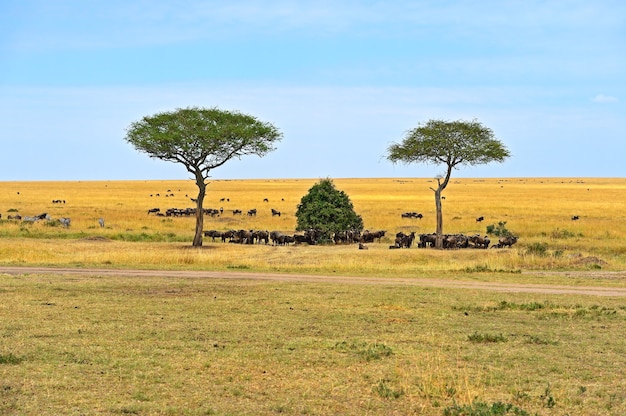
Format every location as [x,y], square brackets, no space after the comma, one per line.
[172,346]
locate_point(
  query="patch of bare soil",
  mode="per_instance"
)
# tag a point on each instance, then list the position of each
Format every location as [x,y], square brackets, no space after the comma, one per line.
[441,283]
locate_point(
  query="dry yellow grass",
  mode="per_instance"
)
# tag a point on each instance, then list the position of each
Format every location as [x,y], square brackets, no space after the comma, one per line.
[539,210]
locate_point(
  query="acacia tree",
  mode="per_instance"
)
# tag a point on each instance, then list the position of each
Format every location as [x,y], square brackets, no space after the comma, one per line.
[201,140]
[327,210]
[450,144]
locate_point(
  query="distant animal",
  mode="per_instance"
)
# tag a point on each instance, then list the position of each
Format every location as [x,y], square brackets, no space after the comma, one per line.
[153,210]
[412,215]
[479,219]
[101,222]
[480,242]
[575,217]
[266,200]
[65,222]
[370,236]
[507,241]
[237,212]
[252,212]
[275,212]
[362,246]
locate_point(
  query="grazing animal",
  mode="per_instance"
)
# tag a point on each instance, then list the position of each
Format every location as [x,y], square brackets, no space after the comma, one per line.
[154,211]
[480,242]
[479,219]
[427,240]
[266,200]
[65,222]
[412,215]
[252,212]
[101,222]
[369,237]
[404,240]
[275,212]
[507,241]
[575,217]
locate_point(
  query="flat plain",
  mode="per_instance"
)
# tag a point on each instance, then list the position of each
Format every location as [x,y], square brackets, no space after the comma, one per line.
[102,343]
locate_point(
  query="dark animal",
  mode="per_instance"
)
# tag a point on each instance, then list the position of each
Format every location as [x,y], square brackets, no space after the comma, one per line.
[237,212]
[507,241]
[275,212]
[412,215]
[263,236]
[153,210]
[575,217]
[276,237]
[213,234]
[266,200]
[362,247]
[427,240]
[369,237]
[479,219]
[252,212]
[480,242]
[404,240]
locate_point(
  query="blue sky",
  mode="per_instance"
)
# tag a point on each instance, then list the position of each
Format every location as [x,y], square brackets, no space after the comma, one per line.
[341,79]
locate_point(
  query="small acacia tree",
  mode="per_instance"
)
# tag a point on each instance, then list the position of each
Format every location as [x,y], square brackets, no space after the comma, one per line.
[327,210]
[450,144]
[201,139]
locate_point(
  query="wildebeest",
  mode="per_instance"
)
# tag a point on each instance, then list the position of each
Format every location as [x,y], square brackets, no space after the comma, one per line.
[455,241]
[213,234]
[575,217]
[480,242]
[237,212]
[404,240]
[427,240]
[479,219]
[252,212]
[369,236]
[154,210]
[506,241]
[412,215]
[275,212]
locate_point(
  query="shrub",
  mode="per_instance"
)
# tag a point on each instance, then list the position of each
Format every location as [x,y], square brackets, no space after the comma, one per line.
[499,230]
[327,210]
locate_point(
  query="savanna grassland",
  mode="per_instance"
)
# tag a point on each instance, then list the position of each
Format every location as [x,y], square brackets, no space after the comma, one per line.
[155,345]
[539,211]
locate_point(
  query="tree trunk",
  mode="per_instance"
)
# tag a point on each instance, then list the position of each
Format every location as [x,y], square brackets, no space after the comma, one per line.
[439,232]
[197,239]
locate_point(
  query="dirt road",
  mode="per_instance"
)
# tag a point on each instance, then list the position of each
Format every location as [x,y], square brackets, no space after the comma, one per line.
[442,283]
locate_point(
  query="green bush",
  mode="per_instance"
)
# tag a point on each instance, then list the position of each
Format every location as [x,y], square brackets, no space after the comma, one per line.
[499,230]
[327,210]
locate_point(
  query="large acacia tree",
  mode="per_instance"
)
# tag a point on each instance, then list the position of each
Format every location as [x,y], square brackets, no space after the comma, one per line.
[201,139]
[451,144]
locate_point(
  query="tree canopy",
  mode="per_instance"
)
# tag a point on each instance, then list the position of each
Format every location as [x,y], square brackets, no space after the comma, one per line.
[448,143]
[201,139]
[327,210]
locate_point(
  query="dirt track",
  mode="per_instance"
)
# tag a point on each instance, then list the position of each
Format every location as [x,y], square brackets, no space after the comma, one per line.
[497,287]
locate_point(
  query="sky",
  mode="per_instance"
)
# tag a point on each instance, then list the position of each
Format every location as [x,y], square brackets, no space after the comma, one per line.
[342,80]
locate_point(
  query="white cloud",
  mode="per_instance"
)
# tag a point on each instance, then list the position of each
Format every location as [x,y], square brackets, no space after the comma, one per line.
[601,98]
